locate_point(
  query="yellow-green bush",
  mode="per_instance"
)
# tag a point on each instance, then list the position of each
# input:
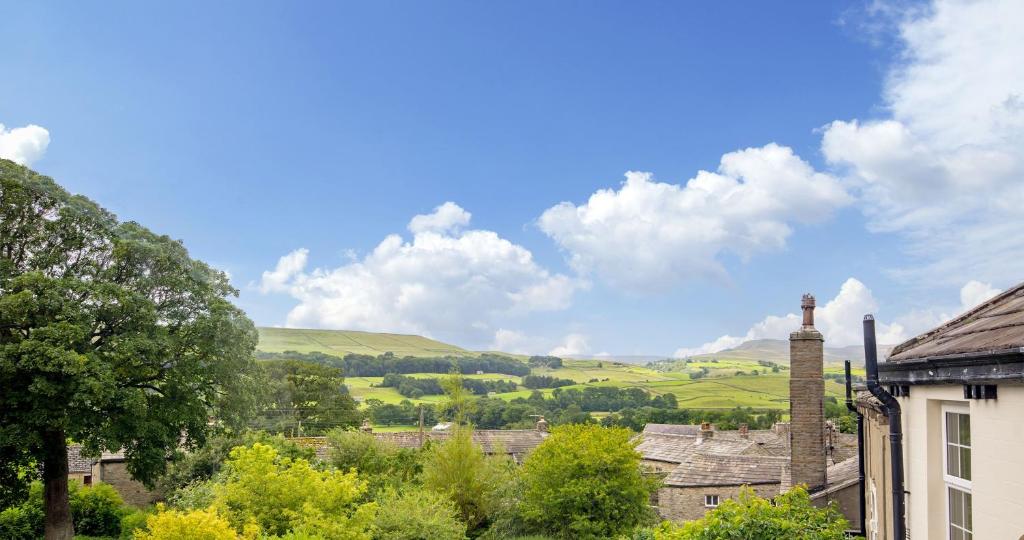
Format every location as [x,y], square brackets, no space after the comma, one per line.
[194,525]
[280,495]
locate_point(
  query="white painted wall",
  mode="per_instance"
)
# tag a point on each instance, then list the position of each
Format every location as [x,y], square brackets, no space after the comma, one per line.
[997,437]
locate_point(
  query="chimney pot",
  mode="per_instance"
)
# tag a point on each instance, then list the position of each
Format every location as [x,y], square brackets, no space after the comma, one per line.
[542,425]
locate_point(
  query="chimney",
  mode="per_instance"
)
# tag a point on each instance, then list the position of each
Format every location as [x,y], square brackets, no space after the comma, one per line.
[807,401]
[542,425]
[366,427]
[707,431]
[744,430]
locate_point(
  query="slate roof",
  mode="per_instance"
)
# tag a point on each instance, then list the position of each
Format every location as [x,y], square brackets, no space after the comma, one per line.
[994,327]
[77,463]
[722,469]
[729,458]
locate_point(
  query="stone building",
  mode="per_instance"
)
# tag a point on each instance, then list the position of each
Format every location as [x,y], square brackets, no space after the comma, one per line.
[701,466]
[109,468]
[958,395]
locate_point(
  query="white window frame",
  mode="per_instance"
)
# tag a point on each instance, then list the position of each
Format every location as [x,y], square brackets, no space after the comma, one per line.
[949,480]
[711,501]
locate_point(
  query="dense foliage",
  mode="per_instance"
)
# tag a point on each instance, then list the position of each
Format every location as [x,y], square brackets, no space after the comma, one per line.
[96,510]
[534,382]
[586,482]
[306,398]
[363,365]
[415,387]
[110,335]
[788,516]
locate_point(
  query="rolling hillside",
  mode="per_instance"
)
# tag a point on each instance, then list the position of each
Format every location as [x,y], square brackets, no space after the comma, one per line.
[729,379]
[777,350]
[342,342]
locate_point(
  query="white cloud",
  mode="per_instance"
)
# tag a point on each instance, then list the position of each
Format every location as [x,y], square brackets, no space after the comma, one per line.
[444,282]
[572,345]
[288,266]
[447,217]
[23,145]
[839,320]
[976,292]
[944,169]
[649,235]
[512,341]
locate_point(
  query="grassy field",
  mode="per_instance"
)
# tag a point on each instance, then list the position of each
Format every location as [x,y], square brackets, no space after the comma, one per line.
[342,342]
[722,388]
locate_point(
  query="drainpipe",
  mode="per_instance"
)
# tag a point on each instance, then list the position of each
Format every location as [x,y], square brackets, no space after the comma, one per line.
[860,450]
[891,408]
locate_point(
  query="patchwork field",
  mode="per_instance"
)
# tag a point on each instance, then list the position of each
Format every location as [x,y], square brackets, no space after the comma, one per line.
[729,380]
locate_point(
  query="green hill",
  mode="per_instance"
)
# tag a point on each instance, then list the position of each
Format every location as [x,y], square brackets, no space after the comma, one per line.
[342,342]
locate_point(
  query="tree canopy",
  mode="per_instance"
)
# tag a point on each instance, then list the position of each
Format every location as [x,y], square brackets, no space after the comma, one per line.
[110,335]
[585,481]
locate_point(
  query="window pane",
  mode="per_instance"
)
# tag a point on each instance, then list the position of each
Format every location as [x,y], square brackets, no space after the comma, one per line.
[952,460]
[965,429]
[955,534]
[956,507]
[965,463]
[968,519]
[951,427]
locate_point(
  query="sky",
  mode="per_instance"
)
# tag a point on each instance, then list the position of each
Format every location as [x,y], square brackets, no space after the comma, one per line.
[575,178]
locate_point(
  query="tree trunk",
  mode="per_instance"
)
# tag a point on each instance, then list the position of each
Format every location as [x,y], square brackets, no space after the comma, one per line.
[55,487]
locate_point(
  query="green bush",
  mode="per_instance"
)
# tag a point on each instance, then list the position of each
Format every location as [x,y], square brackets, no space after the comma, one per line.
[417,514]
[23,522]
[96,510]
[790,515]
[134,520]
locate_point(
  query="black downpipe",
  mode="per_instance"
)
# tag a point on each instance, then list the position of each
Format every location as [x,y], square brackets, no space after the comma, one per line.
[891,407]
[860,450]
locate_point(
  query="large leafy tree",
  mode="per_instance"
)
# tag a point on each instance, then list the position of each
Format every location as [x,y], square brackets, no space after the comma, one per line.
[585,481]
[307,398]
[110,335]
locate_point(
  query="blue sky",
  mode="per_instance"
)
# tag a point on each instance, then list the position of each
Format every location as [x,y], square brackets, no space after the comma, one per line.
[252,133]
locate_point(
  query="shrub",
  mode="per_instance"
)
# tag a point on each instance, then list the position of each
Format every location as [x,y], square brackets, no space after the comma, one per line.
[133,522]
[584,481]
[417,514]
[280,495]
[96,510]
[23,522]
[753,518]
[459,469]
[194,525]
[381,463]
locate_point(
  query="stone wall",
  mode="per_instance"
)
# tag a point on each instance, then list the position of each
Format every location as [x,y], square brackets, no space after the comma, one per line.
[847,500]
[134,493]
[687,503]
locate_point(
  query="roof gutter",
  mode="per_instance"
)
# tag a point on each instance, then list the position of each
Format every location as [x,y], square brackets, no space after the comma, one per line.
[891,408]
[861,531]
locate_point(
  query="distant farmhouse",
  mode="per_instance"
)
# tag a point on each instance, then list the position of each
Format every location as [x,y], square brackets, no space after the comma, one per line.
[947,408]
[703,467]
[109,468]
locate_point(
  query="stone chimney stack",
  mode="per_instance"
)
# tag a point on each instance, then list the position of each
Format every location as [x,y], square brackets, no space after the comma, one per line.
[707,431]
[542,425]
[744,430]
[807,401]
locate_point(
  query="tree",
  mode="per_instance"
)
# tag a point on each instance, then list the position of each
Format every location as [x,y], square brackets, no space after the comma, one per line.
[458,469]
[790,516]
[110,335]
[584,481]
[308,398]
